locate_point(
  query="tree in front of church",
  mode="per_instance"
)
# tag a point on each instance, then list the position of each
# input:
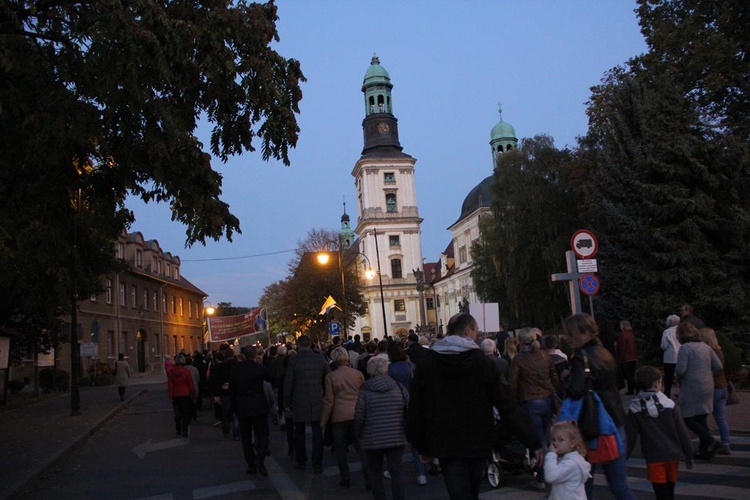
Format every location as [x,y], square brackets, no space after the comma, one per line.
[101,100]
[534,216]
[297,300]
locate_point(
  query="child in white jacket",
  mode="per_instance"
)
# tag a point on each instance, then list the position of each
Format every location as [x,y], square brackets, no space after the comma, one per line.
[564,466]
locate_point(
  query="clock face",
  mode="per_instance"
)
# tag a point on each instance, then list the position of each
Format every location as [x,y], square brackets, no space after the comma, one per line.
[383,128]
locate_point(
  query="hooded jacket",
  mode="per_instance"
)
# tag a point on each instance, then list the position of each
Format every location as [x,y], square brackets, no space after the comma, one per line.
[657,420]
[567,475]
[379,413]
[452,396]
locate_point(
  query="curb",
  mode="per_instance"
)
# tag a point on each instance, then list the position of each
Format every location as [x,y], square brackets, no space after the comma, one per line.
[16,487]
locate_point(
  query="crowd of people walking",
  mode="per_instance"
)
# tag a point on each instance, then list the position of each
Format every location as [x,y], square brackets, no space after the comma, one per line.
[382,398]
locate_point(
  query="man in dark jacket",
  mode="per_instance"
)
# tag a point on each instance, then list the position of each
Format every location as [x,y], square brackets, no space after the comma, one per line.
[415,351]
[251,406]
[450,414]
[303,396]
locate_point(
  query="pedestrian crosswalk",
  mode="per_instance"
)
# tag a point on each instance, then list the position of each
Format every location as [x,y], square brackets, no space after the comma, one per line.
[724,477]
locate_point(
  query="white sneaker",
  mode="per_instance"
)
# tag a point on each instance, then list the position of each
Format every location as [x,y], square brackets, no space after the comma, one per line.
[386,474]
[421,480]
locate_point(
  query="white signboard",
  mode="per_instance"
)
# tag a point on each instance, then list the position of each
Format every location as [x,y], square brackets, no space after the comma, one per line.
[587,266]
[46,359]
[487,316]
[89,349]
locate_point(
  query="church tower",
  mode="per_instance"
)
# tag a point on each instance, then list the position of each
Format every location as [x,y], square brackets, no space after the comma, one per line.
[388,224]
[502,137]
[346,235]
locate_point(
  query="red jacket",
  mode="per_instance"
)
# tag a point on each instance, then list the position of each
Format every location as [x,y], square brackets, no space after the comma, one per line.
[625,347]
[180,383]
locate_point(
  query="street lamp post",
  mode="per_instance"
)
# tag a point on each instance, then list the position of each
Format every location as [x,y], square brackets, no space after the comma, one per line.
[207,311]
[419,276]
[380,282]
[323,258]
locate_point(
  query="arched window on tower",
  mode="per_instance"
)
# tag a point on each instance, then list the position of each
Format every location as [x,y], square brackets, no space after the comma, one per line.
[381,104]
[508,147]
[390,203]
[371,102]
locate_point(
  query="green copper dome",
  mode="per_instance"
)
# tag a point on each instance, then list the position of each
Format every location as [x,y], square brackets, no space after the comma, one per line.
[503,130]
[376,73]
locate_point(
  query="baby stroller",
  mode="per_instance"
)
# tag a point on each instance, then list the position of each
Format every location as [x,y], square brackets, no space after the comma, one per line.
[509,456]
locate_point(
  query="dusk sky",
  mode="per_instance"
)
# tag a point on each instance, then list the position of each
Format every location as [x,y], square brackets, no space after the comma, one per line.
[450,64]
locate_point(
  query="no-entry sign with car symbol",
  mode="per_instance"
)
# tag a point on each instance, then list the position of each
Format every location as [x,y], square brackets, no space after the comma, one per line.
[589,284]
[584,244]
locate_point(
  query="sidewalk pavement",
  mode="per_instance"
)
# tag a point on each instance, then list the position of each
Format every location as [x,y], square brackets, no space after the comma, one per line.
[34,437]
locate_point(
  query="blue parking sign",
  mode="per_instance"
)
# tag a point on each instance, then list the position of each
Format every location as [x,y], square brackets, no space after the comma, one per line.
[334,328]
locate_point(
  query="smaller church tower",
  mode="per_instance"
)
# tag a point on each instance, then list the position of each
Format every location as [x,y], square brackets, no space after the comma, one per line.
[346,235]
[502,138]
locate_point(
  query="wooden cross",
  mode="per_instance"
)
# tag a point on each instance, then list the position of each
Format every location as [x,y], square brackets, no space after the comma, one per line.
[572,277]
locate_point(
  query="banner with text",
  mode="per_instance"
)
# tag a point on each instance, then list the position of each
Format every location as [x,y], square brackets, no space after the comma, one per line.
[225,328]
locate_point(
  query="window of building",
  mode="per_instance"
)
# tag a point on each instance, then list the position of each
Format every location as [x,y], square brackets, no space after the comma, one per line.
[157,346]
[174,304]
[176,349]
[389,178]
[396,268]
[190,309]
[182,310]
[123,303]
[390,203]
[155,302]
[164,302]
[108,290]
[139,258]
[120,252]
[111,349]
[394,240]
[176,273]
[154,265]
[366,308]
[430,303]
[399,305]
[133,297]
[462,254]
[124,346]
[169,270]
[145,300]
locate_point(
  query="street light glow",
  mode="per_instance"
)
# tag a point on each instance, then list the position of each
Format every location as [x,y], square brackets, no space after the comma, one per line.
[370,274]
[323,258]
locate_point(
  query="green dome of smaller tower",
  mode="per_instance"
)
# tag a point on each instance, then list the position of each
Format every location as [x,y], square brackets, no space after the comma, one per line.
[503,130]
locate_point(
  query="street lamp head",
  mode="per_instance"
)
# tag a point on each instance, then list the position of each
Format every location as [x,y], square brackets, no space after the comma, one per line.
[323,258]
[370,274]
[210,310]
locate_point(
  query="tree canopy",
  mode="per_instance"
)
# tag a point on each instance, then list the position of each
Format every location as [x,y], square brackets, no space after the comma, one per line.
[294,304]
[525,241]
[99,100]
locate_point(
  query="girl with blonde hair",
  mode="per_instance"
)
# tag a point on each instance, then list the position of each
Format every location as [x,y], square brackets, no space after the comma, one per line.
[564,466]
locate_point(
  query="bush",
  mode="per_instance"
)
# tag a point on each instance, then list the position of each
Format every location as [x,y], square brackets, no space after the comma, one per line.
[60,382]
[16,386]
[100,373]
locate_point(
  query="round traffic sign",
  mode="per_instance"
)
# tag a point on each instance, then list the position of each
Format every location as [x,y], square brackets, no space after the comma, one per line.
[584,244]
[589,284]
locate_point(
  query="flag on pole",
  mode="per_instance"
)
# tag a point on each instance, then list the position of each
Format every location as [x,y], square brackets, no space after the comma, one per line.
[327,305]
